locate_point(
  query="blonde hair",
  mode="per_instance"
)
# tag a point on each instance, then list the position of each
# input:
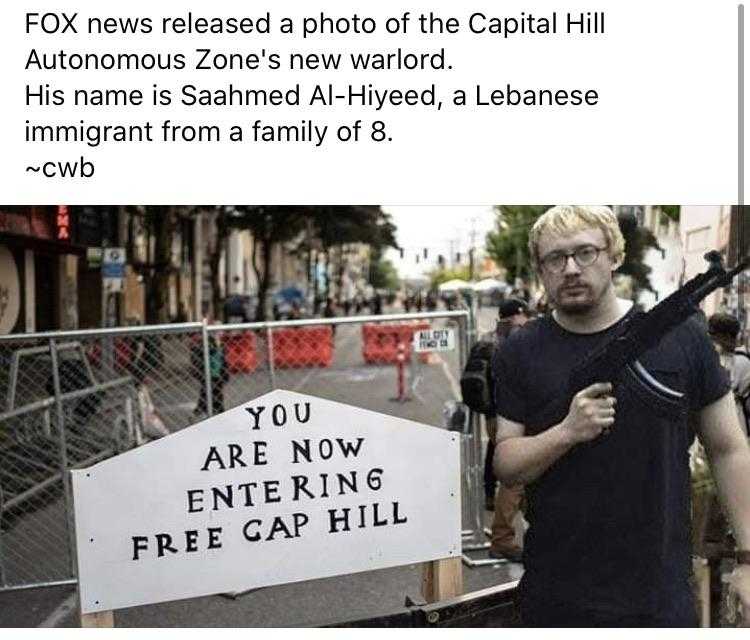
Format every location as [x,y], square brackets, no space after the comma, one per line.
[567,219]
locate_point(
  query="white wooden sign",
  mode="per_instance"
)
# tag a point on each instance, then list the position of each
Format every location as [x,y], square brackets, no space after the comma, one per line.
[434,340]
[284,488]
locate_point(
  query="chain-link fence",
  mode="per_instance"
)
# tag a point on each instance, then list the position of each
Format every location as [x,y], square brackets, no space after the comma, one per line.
[70,399]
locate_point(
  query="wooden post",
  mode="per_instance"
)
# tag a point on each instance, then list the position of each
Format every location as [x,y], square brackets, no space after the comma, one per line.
[702,581]
[100,620]
[442,579]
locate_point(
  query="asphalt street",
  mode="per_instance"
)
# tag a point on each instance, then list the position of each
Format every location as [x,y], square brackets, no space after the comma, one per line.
[311,603]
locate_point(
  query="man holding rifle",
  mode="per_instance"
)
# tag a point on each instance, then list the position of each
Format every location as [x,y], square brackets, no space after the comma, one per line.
[606,464]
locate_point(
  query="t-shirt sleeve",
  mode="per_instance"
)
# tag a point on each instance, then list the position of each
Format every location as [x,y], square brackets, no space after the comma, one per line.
[710,381]
[510,398]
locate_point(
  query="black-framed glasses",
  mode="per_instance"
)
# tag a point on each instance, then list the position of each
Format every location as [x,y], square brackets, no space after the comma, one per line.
[584,256]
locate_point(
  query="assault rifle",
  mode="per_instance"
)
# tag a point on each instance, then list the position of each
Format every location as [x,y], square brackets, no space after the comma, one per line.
[616,361]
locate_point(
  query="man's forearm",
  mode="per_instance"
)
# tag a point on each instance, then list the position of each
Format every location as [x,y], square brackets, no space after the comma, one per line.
[731,471]
[729,456]
[523,459]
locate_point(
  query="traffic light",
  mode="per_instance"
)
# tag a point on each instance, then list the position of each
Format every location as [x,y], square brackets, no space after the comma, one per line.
[458,256]
[441,261]
[425,254]
[401,253]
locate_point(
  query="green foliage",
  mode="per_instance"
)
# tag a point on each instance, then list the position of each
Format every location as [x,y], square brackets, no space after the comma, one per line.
[672,211]
[269,225]
[438,276]
[383,274]
[332,226]
[507,245]
[337,225]
[161,223]
[637,242]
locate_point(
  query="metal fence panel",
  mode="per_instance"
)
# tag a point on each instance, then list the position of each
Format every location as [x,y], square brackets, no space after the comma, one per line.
[70,399]
[333,361]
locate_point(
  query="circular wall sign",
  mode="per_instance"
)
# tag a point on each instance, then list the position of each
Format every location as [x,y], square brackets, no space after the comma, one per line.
[10,291]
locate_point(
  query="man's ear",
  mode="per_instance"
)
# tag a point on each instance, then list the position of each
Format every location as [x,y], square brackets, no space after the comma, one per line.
[617,262]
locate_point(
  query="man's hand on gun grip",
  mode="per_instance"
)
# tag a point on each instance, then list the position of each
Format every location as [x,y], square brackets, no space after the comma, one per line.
[592,412]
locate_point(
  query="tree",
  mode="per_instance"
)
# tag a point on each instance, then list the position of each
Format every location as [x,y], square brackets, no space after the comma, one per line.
[637,242]
[269,226]
[337,226]
[438,276]
[672,211]
[328,227]
[383,274]
[156,267]
[508,244]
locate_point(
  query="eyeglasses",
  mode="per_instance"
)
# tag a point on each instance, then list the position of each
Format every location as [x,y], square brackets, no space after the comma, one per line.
[584,256]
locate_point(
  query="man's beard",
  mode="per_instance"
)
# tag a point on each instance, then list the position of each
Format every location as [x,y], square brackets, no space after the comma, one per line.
[577,307]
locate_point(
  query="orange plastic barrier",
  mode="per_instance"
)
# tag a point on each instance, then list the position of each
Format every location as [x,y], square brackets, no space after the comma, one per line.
[125,353]
[303,347]
[240,352]
[380,341]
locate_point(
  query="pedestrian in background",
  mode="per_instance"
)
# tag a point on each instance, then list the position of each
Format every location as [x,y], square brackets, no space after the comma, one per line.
[295,313]
[217,369]
[724,330]
[329,311]
[513,314]
[477,388]
[431,302]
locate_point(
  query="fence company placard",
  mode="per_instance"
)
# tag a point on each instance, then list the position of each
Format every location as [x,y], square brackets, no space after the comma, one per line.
[284,488]
[434,340]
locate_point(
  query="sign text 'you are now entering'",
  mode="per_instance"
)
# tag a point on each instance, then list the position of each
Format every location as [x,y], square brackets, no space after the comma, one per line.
[285,488]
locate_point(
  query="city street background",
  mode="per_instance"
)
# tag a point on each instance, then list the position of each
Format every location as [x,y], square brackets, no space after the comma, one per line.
[310,603]
[188,288]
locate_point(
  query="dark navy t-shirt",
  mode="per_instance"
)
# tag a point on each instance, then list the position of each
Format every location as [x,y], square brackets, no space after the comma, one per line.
[609,522]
